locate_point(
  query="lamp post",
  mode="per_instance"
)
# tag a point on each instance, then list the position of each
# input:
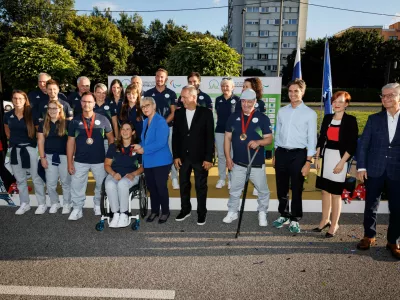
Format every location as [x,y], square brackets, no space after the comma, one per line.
[278,67]
[243,35]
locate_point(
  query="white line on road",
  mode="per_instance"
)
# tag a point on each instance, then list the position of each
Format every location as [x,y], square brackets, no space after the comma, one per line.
[86,292]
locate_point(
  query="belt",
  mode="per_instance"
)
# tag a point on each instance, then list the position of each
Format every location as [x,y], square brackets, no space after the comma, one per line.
[292,150]
[252,166]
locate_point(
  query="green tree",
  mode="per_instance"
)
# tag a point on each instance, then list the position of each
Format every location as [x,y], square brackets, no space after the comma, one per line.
[24,58]
[225,34]
[208,56]
[98,45]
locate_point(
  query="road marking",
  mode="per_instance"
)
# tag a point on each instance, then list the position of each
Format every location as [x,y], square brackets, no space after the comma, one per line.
[86,292]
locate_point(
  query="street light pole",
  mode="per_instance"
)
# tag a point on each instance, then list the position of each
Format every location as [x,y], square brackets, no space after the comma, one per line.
[243,35]
[278,67]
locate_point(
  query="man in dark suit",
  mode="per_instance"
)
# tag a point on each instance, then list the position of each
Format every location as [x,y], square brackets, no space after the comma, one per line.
[192,148]
[378,163]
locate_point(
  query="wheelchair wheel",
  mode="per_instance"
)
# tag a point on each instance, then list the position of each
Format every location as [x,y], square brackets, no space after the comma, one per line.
[100,226]
[143,200]
[103,196]
[135,224]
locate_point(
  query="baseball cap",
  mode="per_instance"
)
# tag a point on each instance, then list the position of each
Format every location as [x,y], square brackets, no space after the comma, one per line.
[248,94]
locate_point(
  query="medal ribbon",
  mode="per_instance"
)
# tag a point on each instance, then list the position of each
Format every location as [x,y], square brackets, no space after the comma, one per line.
[89,132]
[244,127]
[130,151]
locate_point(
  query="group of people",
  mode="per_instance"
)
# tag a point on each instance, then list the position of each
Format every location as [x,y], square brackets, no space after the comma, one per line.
[128,132]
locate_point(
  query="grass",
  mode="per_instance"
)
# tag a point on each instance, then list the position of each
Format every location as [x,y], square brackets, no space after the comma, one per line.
[362,117]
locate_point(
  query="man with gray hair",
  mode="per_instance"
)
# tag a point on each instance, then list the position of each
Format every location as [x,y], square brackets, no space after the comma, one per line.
[246,131]
[136,81]
[378,164]
[74,99]
[40,96]
[193,149]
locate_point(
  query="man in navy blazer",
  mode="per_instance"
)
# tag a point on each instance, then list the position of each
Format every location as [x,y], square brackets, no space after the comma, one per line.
[378,164]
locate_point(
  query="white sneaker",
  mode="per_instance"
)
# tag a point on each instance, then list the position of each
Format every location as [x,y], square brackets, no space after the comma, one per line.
[262,219]
[220,184]
[66,209]
[54,208]
[255,192]
[23,209]
[229,185]
[76,214]
[97,210]
[231,216]
[123,220]
[175,184]
[41,209]
[114,221]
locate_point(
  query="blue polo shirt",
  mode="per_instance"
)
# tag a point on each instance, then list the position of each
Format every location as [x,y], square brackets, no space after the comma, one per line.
[74,100]
[18,130]
[36,97]
[107,109]
[132,114]
[123,163]
[164,101]
[203,100]
[259,106]
[53,143]
[94,153]
[42,110]
[259,126]
[224,108]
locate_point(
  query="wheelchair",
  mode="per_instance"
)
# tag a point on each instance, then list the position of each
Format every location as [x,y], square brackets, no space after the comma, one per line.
[138,191]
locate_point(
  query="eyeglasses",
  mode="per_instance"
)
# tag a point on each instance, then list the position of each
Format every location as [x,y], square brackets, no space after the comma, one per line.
[145,106]
[389,96]
[227,78]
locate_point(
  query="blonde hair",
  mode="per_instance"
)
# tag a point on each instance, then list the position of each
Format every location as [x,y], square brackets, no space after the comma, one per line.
[61,127]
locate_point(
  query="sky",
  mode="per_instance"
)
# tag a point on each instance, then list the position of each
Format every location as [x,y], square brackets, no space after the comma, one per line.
[321,21]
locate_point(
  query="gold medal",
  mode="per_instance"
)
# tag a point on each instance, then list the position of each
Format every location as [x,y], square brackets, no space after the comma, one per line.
[243,137]
[89,141]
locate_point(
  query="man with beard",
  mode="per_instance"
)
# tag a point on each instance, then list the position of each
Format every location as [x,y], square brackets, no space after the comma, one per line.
[166,104]
[203,99]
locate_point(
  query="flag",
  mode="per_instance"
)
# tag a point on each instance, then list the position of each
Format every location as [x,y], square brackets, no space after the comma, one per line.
[327,81]
[297,64]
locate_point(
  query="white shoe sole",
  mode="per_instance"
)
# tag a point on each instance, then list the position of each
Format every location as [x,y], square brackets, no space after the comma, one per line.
[180,220]
[20,213]
[229,221]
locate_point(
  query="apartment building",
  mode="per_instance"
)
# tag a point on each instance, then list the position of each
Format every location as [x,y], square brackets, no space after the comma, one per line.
[391,32]
[261,28]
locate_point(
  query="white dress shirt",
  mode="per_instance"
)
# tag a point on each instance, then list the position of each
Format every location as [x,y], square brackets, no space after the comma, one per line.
[189,116]
[392,124]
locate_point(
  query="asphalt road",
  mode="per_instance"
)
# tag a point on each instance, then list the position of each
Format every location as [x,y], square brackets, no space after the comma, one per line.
[196,262]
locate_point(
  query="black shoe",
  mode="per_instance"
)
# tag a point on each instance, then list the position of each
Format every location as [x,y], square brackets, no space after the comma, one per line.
[331,235]
[151,217]
[182,216]
[201,219]
[317,229]
[163,218]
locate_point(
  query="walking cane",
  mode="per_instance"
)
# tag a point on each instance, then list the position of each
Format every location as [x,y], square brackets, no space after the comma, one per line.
[246,184]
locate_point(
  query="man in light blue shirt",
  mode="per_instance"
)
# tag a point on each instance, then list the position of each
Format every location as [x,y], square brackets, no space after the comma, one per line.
[295,145]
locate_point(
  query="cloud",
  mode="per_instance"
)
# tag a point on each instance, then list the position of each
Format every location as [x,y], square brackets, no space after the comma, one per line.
[101,5]
[217,2]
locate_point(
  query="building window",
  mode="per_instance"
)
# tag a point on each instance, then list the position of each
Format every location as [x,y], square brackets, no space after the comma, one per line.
[291,9]
[273,22]
[252,22]
[262,68]
[263,32]
[250,56]
[272,56]
[394,38]
[251,33]
[288,45]
[273,33]
[262,56]
[290,33]
[289,21]
[272,68]
[253,9]
[250,45]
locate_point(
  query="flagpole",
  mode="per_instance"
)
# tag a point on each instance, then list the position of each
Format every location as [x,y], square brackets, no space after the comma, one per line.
[323,84]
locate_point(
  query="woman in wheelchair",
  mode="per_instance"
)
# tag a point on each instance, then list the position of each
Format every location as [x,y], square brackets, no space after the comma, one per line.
[122,166]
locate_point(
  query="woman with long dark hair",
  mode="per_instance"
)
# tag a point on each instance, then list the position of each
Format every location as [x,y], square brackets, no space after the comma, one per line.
[52,144]
[122,166]
[129,109]
[116,92]
[21,133]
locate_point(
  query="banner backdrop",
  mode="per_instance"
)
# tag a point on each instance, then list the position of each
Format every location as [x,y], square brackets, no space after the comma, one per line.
[211,86]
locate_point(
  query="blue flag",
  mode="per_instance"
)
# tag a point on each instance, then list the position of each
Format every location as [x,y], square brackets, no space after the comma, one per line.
[297,64]
[327,81]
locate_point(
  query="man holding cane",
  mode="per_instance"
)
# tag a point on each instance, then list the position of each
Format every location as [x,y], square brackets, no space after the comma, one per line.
[245,129]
